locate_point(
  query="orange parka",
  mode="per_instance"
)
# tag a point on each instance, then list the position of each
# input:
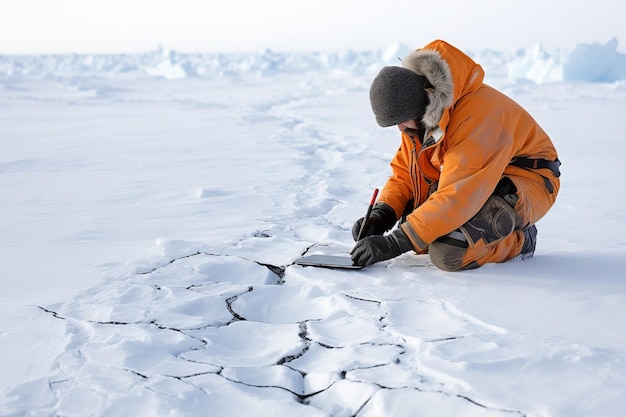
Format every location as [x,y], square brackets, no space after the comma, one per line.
[473,133]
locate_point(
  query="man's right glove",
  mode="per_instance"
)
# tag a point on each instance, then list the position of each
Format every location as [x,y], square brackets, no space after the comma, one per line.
[382,219]
[374,249]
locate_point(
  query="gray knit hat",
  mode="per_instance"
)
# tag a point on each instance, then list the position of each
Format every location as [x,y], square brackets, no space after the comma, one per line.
[397,95]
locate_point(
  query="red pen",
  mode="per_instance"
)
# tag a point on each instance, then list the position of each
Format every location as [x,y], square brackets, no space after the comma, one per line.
[367,215]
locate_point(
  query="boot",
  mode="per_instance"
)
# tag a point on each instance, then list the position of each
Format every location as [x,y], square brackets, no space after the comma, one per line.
[530,241]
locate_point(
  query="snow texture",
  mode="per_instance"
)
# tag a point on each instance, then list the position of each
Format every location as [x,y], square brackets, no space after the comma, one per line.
[153,206]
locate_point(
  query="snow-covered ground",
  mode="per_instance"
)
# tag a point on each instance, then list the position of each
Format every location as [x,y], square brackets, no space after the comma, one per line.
[153,206]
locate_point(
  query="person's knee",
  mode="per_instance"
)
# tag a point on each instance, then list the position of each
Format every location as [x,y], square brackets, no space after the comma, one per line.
[495,220]
[447,255]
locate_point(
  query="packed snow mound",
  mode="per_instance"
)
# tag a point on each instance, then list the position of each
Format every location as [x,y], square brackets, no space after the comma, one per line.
[597,63]
[586,62]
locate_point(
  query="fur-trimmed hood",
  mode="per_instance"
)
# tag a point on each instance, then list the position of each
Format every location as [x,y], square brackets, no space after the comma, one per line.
[451,73]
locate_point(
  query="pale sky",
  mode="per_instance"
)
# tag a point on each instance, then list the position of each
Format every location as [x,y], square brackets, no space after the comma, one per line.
[130,26]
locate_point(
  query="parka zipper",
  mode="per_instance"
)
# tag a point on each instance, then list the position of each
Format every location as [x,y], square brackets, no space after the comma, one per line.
[416,172]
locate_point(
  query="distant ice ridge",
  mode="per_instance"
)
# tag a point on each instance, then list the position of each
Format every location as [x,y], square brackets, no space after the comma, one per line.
[586,62]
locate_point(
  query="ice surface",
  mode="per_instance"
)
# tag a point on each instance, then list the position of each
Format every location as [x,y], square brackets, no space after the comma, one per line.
[153,206]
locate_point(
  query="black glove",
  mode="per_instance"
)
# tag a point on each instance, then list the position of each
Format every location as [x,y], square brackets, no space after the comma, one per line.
[381,220]
[374,249]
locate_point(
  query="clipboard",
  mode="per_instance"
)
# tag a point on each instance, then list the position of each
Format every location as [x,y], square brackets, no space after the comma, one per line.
[328,261]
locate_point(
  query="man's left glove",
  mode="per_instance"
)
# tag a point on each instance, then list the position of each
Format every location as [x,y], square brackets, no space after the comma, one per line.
[378,248]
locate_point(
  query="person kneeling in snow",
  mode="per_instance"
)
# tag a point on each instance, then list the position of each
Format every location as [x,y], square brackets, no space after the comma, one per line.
[474,171]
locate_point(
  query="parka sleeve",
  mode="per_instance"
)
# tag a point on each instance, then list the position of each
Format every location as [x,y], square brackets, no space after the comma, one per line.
[398,189]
